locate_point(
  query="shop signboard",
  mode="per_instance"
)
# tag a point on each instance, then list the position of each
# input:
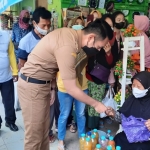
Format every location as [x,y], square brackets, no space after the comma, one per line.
[4,4]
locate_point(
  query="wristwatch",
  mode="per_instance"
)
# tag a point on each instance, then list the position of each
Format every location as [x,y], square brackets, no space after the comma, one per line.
[53,88]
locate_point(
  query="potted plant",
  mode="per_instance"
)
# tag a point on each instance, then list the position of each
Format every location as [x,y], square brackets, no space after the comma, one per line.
[131,31]
[119,68]
[117,97]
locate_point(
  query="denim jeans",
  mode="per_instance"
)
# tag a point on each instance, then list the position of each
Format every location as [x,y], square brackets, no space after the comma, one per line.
[66,102]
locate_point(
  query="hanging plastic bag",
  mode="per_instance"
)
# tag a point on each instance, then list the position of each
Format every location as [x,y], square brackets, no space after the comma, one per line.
[16,104]
[135,129]
[109,101]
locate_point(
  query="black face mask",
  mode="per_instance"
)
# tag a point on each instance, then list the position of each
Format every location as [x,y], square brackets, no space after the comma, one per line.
[25,20]
[119,25]
[90,51]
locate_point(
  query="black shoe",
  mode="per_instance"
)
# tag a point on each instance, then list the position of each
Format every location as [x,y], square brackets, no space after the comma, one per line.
[11,126]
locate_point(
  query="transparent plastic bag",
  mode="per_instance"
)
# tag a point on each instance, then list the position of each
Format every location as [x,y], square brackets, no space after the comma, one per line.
[109,101]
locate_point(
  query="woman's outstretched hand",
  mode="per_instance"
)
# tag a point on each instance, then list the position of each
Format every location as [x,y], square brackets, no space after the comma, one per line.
[147,123]
[110,112]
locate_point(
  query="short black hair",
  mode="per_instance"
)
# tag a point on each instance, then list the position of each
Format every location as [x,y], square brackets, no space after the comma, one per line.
[41,12]
[105,16]
[116,13]
[100,28]
[135,13]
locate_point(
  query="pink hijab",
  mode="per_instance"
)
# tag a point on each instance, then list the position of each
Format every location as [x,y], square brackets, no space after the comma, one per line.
[21,23]
[142,24]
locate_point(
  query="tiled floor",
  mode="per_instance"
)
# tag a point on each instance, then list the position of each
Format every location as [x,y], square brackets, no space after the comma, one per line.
[14,140]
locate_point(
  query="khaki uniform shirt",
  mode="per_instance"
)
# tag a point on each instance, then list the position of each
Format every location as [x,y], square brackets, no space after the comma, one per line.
[56,51]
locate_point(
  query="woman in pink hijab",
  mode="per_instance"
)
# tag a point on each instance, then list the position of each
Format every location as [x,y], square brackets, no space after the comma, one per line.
[20,29]
[142,24]
[24,19]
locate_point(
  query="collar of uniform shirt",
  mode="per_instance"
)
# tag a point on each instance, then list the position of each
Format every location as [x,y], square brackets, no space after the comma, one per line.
[35,35]
[79,33]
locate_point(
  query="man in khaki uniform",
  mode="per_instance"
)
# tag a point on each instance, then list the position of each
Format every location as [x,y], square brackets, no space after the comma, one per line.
[56,51]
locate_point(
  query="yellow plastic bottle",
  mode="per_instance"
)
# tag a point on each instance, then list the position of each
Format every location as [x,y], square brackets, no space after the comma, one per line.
[111,142]
[88,135]
[82,141]
[98,147]
[95,132]
[88,144]
[94,141]
[109,148]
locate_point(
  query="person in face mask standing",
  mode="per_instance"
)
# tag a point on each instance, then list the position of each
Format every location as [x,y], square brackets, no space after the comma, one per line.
[57,51]
[41,22]
[138,106]
[119,19]
[67,101]
[106,59]
[20,29]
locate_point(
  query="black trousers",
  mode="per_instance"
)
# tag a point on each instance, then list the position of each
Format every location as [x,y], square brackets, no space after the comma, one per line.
[54,114]
[7,92]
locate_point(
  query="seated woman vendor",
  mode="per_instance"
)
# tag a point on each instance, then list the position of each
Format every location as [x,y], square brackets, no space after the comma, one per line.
[138,106]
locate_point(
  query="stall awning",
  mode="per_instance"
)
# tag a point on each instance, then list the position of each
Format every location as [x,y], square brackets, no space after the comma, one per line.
[4,4]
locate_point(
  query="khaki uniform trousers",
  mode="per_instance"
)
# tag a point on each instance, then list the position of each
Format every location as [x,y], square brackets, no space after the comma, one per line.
[35,104]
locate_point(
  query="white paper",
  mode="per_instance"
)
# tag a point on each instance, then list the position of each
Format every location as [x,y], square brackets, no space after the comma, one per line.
[101,4]
[82,2]
[50,1]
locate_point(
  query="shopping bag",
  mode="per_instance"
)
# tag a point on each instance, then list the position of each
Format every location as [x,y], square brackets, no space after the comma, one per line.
[109,101]
[16,104]
[135,129]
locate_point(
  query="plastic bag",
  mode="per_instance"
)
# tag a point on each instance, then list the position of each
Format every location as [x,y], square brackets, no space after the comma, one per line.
[109,101]
[135,129]
[16,104]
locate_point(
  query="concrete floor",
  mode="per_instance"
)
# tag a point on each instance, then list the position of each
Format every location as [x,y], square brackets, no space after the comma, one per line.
[14,140]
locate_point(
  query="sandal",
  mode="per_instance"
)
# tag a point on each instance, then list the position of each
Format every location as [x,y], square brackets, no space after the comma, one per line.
[52,138]
[73,128]
[61,147]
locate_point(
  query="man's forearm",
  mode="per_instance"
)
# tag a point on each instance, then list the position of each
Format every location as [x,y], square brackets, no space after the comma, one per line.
[81,96]
[21,63]
[77,93]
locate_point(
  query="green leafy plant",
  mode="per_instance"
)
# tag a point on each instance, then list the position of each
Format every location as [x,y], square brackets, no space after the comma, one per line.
[117,97]
[119,67]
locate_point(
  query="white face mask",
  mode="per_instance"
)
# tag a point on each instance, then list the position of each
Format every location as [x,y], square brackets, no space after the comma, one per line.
[139,93]
[41,31]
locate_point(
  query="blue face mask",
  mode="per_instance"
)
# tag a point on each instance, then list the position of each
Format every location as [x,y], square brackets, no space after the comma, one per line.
[77,27]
